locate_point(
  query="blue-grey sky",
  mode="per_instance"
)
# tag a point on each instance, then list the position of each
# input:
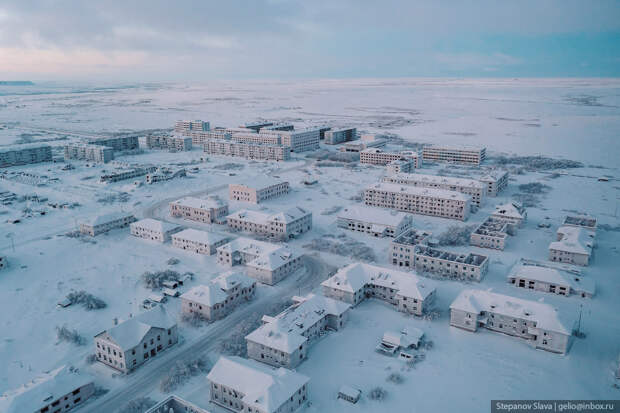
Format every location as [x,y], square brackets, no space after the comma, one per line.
[160,40]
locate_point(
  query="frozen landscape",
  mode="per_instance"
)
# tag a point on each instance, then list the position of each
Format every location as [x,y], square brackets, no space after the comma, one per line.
[556,138]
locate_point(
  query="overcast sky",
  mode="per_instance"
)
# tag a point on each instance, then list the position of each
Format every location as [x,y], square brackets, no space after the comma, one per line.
[191,40]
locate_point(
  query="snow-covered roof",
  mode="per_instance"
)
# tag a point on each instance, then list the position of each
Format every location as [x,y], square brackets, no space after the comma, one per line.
[212,202]
[585,221]
[433,180]
[353,277]
[409,336]
[373,215]
[419,191]
[576,240]
[41,391]
[349,391]
[261,182]
[265,217]
[264,387]
[455,146]
[130,332]
[284,332]
[544,315]
[493,176]
[217,290]
[203,237]
[105,218]
[510,210]
[267,255]
[155,225]
[552,274]
[21,147]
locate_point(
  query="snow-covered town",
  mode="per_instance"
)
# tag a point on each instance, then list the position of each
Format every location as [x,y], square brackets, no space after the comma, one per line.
[320,245]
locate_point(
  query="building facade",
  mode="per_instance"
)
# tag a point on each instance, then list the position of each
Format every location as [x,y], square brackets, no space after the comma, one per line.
[495,181]
[551,278]
[186,127]
[573,245]
[279,225]
[248,150]
[336,136]
[449,264]
[104,223]
[455,154]
[424,201]
[210,210]
[125,174]
[118,144]
[376,221]
[298,140]
[400,166]
[259,191]
[376,156]
[153,229]
[492,233]
[200,242]
[86,152]
[172,143]
[175,404]
[200,138]
[401,251]
[25,154]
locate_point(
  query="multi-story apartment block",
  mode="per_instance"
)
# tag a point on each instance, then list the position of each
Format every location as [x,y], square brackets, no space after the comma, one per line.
[454,153]
[210,210]
[260,190]
[551,278]
[185,127]
[200,138]
[278,126]
[360,145]
[449,264]
[57,391]
[580,221]
[401,251]
[492,233]
[130,344]
[376,156]
[4,262]
[573,245]
[200,242]
[247,386]
[104,223]
[218,298]
[424,201]
[279,225]
[513,213]
[471,187]
[404,290]
[336,136]
[268,263]
[257,138]
[25,154]
[400,166]
[153,229]
[86,152]
[495,181]
[119,143]
[248,150]
[284,340]
[298,140]
[172,143]
[126,174]
[174,403]
[376,221]
[539,323]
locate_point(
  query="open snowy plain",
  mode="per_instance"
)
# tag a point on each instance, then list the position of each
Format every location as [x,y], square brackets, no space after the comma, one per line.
[563,119]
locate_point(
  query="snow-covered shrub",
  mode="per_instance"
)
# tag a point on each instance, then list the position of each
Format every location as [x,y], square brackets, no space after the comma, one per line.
[91,359]
[347,248]
[173,261]
[377,393]
[534,188]
[99,391]
[154,280]
[395,378]
[139,405]
[194,319]
[533,163]
[70,336]
[89,301]
[455,235]
[181,373]
[527,200]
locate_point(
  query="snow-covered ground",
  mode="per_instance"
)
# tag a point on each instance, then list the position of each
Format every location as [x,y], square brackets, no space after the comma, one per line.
[564,119]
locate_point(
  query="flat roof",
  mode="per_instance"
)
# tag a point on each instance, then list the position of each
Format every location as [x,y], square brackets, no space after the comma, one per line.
[419,191]
[373,215]
[434,179]
[212,201]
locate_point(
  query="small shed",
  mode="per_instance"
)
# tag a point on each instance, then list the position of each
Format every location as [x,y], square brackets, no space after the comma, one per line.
[171,292]
[170,284]
[349,394]
[64,303]
[157,298]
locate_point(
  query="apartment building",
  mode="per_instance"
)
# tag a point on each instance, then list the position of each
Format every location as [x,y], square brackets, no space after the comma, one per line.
[119,143]
[551,278]
[185,127]
[404,290]
[268,263]
[580,221]
[538,323]
[153,229]
[400,166]
[256,138]
[375,221]
[336,136]
[492,233]
[57,391]
[279,225]
[495,182]
[401,251]
[125,174]
[200,138]
[449,264]
[466,155]
[209,210]
[376,156]
[4,262]
[242,385]
[512,212]
[284,340]
[173,404]
[475,189]
[103,223]
[200,242]
[172,143]
[86,152]
[298,140]
[128,345]
[248,150]
[25,154]
[219,297]
[416,200]
[573,245]
[259,191]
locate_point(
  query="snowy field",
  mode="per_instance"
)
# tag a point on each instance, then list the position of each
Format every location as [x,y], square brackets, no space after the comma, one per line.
[576,120]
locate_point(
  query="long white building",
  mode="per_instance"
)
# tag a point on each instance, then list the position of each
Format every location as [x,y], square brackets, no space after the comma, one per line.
[185,127]
[172,143]
[299,140]
[461,154]
[336,136]
[260,190]
[153,229]
[450,264]
[209,210]
[376,221]
[539,323]
[551,278]
[471,187]
[104,223]
[284,340]
[424,201]
[200,242]
[200,138]
[247,386]
[118,143]
[86,152]
[404,290]
[248,150]
[376,156]
[573,245]
[279,225]
[25,154]
[492,233]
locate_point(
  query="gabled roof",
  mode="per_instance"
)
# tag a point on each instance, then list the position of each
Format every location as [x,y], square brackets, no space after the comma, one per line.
[216,291]
[552,274]
[264,387]
[433,180]
[267,255]
[130,333]
[419,191]
[575,240]
[105,218]
[21,147]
